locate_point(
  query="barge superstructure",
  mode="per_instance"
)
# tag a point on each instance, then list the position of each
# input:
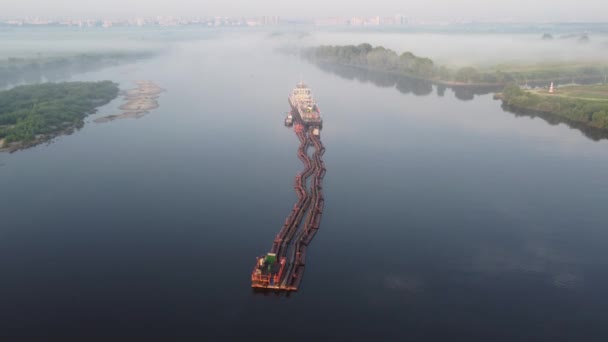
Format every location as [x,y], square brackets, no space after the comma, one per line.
[304,107]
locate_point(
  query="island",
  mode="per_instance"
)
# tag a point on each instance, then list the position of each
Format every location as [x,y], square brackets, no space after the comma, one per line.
[579,104]
[33,114]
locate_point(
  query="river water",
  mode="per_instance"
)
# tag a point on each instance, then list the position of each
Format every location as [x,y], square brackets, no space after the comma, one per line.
[444,219]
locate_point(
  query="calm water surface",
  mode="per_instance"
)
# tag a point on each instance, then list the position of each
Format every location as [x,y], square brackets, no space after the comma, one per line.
[445,219]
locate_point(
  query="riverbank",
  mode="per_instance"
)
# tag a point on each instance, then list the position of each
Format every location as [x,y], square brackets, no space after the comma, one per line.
[139,102]
[581,104]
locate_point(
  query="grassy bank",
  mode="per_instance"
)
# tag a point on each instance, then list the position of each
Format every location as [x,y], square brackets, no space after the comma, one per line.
[585,104]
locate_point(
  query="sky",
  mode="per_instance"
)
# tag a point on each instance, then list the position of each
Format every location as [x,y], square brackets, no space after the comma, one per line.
[517,10]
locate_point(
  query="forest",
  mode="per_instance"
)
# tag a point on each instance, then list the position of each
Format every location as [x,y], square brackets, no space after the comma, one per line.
[30,112]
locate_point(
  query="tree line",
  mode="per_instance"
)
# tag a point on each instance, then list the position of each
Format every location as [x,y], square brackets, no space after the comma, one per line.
[408,64]
[375,57]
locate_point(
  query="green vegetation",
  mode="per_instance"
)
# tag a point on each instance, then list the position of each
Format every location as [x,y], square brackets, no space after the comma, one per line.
[34,113]
[582,104]
[410,65]
[375,58]
[554,72]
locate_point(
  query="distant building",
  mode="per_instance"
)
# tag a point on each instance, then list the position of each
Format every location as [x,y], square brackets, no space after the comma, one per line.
[331,21]
[356,21]
[400,20]
[362,21]
[269,20]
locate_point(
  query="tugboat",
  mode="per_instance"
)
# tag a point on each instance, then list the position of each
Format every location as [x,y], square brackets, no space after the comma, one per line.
[304,106]
[267,272]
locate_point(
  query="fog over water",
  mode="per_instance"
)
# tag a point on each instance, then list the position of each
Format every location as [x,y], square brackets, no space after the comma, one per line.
[483,49]
[444,220]
[454,49]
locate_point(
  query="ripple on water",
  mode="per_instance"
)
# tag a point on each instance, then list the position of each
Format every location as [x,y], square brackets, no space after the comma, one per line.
[404,283]
[567,281]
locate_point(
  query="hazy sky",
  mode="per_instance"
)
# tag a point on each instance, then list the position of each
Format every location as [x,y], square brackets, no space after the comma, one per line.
[523,10]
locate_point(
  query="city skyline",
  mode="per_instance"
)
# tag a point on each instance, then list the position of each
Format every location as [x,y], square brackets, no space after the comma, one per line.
[515,10]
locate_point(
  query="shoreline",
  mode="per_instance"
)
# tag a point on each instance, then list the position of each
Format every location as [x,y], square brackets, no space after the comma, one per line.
[46,138]
[448,83]
[575,111]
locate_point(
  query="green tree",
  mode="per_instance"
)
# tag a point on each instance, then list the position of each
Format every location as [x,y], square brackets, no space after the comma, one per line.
[467,75]
[32,110]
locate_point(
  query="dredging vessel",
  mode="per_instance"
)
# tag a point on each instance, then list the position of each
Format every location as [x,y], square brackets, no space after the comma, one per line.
[304,106]
[282,268]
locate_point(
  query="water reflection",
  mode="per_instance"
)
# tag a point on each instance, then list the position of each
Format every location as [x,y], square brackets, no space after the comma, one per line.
[404,84]
[418,87]
[592,133]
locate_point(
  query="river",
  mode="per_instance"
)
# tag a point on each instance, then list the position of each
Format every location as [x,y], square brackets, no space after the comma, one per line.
[444,219]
